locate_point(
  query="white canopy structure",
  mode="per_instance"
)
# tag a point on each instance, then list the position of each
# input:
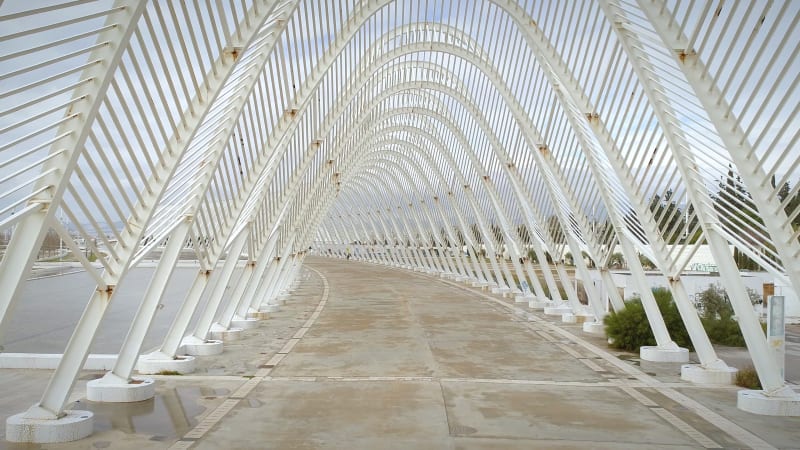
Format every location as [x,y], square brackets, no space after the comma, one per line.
[410,133]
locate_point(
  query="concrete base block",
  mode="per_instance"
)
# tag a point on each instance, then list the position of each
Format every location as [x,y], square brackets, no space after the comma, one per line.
[158,363]
[575,318]
[201,347]
[703,375]
[757,402]
[596,328]
[113,389]
[258,315]
[479,284]
[220,333]
[539,304]
[270,308]
[245,324]
[500,290]
[557,310]
[656,354]
[526,298]
[72,426]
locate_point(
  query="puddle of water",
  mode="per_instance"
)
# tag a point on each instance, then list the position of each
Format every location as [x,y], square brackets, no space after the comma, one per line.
[169,415]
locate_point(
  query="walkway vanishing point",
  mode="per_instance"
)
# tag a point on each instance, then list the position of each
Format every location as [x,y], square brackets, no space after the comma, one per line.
[367,357]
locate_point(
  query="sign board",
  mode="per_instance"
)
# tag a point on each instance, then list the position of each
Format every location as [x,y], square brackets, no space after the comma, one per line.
[776,329]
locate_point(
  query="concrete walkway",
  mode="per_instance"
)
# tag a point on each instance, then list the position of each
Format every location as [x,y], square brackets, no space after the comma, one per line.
[368,357]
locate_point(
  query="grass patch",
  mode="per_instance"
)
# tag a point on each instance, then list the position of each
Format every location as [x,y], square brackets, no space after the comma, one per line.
[169,372]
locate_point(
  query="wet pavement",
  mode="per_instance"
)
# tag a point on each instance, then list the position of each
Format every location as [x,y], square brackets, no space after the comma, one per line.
[363,356]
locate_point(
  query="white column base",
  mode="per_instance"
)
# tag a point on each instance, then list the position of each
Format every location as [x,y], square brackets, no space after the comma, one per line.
[269,308]
[500,290]
[704,375]
[576,318]
[757,402]
[278,301]
[657,354]
[114,389]
[220,333]
[72,426]
[245,324]
[258,315]
[557,309]
[596,328]
[158,363]
[479,284]
[526,298]
[539,304]
[201,347]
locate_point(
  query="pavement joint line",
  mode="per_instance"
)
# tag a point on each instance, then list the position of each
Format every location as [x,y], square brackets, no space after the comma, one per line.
[546,336]
[641,398]
[700,410]
[289,346]
[717,420]
[208,422]
[592,365]
[567,349]
[300,333]
[687,429]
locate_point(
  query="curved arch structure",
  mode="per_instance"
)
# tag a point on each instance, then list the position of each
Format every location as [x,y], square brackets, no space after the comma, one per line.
[414,134]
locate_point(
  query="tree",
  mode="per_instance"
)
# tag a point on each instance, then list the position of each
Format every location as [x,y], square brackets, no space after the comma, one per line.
[589,261]
[668,216]
[792,204]
[569,260]
[737,210]
[646,263]
[616,261]
[476,233]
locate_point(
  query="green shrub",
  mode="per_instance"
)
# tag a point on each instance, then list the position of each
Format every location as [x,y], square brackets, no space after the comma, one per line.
[629,329]
[718,318]
[748,378]
[724,331]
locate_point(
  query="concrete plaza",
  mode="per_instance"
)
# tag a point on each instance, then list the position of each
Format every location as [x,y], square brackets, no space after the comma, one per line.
[366,357]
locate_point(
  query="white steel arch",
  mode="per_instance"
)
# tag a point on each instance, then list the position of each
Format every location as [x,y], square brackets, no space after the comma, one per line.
[524,129]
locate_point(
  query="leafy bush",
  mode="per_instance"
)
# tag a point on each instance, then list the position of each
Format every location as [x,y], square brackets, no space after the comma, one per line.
[748,378]
[629,329]
[718,317]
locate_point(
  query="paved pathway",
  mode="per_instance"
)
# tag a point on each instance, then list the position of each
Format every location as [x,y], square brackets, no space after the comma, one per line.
[401,360]
[365,357]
